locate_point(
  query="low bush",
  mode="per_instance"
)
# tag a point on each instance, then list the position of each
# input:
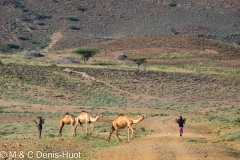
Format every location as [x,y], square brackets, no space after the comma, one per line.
[142,128]
[22,37]
[238,42]
[79,7]
[172,4]
[17,4]
[72,18]
[73,27]
[40,23]
[12,45]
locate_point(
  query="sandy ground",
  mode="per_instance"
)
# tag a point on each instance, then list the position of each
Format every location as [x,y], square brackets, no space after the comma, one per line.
[165,143]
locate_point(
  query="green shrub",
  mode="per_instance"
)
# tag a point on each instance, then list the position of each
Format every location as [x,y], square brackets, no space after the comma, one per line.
[22,37]
[72,18]
[40,15]
[172,4]
[32,27]
[45,43]
[51,135]
[238,42]
[40,23]
[73,27]
[199,35]
[237,120]
[142,128]
[86,53]
[193,141]
[79,7]
[103,130]
[17,4]
[12,45]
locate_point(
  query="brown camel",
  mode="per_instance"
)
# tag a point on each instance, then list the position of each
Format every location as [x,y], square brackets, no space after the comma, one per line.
[122,122]
[68,119]
[85,117]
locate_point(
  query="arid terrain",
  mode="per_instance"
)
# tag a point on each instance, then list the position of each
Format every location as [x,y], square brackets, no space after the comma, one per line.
[191,50]
[33,24]
[188,76]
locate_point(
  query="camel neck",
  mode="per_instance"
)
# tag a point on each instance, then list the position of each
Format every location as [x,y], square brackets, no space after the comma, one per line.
[94,119]
[137,120]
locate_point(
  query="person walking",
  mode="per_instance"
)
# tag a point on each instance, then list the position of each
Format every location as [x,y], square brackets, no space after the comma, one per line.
[181,122]
[40,122]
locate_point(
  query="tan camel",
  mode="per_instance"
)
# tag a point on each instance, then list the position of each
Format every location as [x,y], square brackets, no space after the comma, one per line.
[85,117]
[122,122]
[68,119]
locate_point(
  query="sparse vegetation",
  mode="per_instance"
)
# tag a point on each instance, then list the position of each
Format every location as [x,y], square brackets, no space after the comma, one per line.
[199,34]
[86,53]
[138,61]
[17,4]
[79,7]
[73,27]
[172,4]
[142,128]
[193,141]
[40,15]
[22,37]
[12,45]
[183,75]
[40,23]
[44,44]
[238,42]
[172,55]
[72,18]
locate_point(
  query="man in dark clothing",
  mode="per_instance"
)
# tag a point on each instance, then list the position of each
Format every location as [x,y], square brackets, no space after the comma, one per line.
[40,122]
[181,121]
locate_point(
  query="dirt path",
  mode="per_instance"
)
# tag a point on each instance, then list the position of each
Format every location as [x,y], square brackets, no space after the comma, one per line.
[54,39]
[165,143]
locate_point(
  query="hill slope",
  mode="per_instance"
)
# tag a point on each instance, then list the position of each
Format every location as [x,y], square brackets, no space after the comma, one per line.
[32,24]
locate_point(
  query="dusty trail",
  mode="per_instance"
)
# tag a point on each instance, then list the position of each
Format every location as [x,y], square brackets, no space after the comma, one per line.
[166,144]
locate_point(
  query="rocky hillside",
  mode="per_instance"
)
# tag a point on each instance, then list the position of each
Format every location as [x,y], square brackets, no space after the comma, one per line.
[32,24]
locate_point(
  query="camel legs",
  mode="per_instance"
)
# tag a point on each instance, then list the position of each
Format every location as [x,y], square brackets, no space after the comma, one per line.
[86,128]
[60,129]
[116,129]
[128,135]
[111,133]
[117,134]
[82,128]
[129,127]
[92,129]
[73,130]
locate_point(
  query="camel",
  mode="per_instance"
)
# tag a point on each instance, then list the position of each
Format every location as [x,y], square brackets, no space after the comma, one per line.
[68,119]
[122,122]
[85,117]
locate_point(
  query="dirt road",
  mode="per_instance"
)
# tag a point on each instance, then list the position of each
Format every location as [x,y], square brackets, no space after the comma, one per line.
[166,144]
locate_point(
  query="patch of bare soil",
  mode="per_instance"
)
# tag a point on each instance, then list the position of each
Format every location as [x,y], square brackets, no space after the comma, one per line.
[165,143]
[54,39]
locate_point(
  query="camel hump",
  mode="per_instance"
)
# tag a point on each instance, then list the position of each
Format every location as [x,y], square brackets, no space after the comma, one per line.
[120,115]
[84,111]
[67,113]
